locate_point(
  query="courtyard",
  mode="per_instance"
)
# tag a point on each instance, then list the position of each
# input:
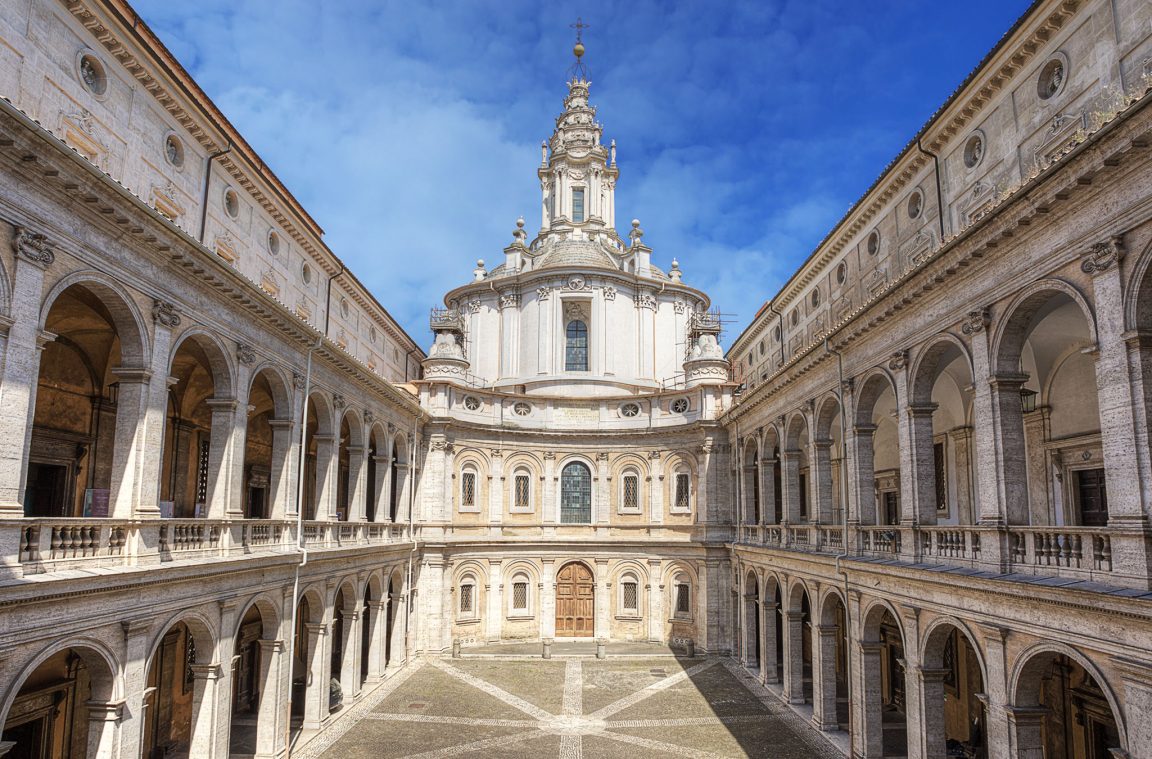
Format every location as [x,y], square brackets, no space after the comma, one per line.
[521,706]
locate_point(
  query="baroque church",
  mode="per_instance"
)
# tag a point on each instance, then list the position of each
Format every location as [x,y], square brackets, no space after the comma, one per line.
[908,507]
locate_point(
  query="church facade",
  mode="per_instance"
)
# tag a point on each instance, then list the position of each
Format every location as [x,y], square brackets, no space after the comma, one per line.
[912,498]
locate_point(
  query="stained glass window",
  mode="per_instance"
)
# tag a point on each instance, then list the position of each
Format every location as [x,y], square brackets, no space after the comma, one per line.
[576,347]
[575,494]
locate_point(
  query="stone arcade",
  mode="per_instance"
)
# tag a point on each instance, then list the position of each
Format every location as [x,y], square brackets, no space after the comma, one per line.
[910,504]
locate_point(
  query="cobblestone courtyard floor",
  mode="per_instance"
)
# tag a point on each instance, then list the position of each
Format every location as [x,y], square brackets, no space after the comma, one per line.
[572,708]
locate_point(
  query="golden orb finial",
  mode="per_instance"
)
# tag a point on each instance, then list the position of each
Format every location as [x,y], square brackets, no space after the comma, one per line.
[578,49]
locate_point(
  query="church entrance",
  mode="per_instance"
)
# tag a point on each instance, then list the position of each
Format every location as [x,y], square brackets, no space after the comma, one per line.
[575,604]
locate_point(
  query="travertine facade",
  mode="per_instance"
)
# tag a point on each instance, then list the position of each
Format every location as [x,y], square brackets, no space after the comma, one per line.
[913,498]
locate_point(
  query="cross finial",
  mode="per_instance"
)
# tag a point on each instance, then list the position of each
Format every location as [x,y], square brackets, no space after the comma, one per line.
[579,26]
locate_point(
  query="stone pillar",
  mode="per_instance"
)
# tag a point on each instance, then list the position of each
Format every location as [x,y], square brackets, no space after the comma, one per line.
[1009,430]
[270,727]
[762,627]
[794,657]
[769,509]
[383,473]
[317,677]
[225,654]
[21,368]
[548,599]
[601,482]
[655,488]
[207,720]
[996,691]
[1037,431]
[770,672]
[357,482]
[226,425]
[399,645]
[824,677]
[494,614]
[921,508]
[868,710]
[822,481]
[104,720]
[744,625]
[960,440]
[376,619]
[790,492]
[350,654]
[913,693]
[1027,727]
[550,512]
[1137,679]
[602,596]
[863,479]
[932,718]
[137,633]
[496,486]
[125,486]
[155,412]
[655,614]
[282,483]
[326,463]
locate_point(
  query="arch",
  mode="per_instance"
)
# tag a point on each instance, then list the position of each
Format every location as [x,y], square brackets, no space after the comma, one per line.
[933,639]
[930,361]
[269,609]
[108,688]
[1016,321]
[280,385]
[203,633]
[827,409]
[871,615]
[1138,292]
[796,426]
[219,363]
[871,386]
[798,592]
[355,427]
[135,349]
[324,411]
[1024,687]
[314,596]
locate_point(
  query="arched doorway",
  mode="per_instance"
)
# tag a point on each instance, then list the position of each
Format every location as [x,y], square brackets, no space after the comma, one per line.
[267,440]
[1074,717]
[171,699]
[941,436]
[575,603]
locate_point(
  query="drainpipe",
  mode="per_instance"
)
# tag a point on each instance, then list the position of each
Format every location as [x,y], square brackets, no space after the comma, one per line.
[844,526]
[412,532]
[939,190]
[328,299]
[207,181]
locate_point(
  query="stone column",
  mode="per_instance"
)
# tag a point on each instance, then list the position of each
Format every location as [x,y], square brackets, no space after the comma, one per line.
[1137,679]
[1009,430]
[496,486]
[921,508]
[22,367]
[281,483]
[376,619]
[769,671]
[869,710]
[326,463]
[769,509]
[913,693]
[987,494]
[790,492]
[548,599]
[793,657]
[996,691]
[104,721]
[137,634]
[155,411]
[357,482]
[960,440]
[227,425]
[383,473]
[127,456]
[602,597]
[655,596]
[494,615]
[550,507]
[822,481]
[656,488]
[399,645]
[317,677]
[1026,724]
[350,655]
[743,624]
[270,727]
[207,720]
[863,480]
[601,482]
[932,717]
[824,677]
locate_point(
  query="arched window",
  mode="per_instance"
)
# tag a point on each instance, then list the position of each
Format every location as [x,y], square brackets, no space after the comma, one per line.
[629,596]
[522,490]
[469,498]
[576,347]
[630,491]
[682,597]
[521,595]
[575,494]
[466,608]
[682,491]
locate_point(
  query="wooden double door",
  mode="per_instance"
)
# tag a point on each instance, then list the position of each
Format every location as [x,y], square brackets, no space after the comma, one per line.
[575,602]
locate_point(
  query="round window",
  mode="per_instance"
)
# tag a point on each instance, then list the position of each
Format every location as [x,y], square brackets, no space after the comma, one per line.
[629,409]
[815,298]
[306,273]
[680,406]
[174,150]
[974,151]
[273,242]
[775,334]
[874,242]
[915,205]
[522,409]
[472,403]
[795,318]
[231,203]
[841,273]
[92,74]
[1051,79]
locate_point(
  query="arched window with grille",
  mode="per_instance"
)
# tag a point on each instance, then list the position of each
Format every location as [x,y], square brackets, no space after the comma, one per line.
[575,494]
[576,346]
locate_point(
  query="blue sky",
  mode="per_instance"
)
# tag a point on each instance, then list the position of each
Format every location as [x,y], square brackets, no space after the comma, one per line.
[411,130]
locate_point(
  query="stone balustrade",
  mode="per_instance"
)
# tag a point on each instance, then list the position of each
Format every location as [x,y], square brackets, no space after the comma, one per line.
[41,546]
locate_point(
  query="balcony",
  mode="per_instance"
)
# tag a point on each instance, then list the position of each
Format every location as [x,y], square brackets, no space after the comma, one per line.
[1110,556]
[57,545]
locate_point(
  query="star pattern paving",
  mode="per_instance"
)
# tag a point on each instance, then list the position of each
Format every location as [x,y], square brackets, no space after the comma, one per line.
[569,709]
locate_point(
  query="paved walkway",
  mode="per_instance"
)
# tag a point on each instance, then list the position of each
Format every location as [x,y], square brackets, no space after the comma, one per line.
[622,708]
